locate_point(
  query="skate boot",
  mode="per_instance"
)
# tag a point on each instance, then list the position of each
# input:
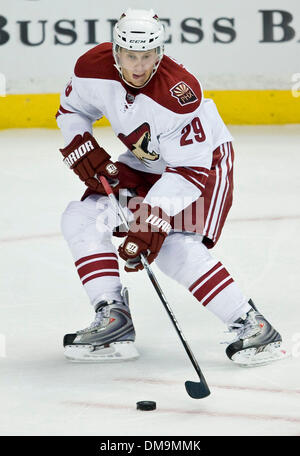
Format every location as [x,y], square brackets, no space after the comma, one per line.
[256,342]
[109,338]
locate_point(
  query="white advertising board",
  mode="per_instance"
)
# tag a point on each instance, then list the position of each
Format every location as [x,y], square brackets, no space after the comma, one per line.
[228,44]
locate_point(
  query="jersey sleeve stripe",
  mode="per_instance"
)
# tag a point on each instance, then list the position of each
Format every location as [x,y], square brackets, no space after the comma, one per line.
[196,176]
[199,170]
[62,110]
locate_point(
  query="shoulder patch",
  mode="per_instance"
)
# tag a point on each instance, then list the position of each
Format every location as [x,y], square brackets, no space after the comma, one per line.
[183,93]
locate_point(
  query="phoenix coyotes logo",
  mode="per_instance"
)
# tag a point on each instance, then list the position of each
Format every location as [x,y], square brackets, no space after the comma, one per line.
[183,93]
[138,143]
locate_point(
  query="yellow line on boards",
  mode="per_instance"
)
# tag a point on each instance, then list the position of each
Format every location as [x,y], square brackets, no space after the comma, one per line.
[237,107]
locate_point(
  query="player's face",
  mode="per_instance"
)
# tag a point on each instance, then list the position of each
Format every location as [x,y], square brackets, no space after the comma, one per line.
[137,66]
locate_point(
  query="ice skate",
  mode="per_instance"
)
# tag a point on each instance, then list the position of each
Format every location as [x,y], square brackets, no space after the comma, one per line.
[256,342]
[109,338]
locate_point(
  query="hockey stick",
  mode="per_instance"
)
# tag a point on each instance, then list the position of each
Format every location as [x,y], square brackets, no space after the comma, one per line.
[196,390]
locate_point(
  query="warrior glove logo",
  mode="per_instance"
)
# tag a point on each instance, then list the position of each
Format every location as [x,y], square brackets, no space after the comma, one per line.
[183,93]
[131,248]
[74,156]
[111,169]
[159,223]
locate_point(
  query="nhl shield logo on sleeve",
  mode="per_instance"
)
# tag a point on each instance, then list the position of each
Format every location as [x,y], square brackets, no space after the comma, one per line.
[183,93]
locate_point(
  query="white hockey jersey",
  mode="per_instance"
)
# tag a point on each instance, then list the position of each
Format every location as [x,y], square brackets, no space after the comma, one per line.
[167,126]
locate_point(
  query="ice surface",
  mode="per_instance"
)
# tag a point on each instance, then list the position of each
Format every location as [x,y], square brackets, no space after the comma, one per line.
[42,299]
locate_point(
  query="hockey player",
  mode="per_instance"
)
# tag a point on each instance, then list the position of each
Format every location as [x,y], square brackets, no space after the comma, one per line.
[179,163]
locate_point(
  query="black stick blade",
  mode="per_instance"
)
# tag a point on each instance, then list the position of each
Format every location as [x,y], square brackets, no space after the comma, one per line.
[197,390]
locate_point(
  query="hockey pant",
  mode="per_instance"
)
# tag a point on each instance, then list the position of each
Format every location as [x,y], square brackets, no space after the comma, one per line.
[87,227]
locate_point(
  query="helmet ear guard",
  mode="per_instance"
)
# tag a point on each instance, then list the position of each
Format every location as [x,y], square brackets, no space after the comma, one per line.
[138,30]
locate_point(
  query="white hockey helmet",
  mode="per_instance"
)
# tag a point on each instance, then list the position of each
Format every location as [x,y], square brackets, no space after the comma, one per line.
[138,30]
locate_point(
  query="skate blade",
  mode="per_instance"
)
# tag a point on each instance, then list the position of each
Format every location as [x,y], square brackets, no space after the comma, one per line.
[251,358]
[114,352]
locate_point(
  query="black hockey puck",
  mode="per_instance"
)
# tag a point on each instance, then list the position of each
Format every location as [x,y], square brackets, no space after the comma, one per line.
[146,405]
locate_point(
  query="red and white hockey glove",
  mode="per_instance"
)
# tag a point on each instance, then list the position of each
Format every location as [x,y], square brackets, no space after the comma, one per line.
[147,234]
[88,160]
